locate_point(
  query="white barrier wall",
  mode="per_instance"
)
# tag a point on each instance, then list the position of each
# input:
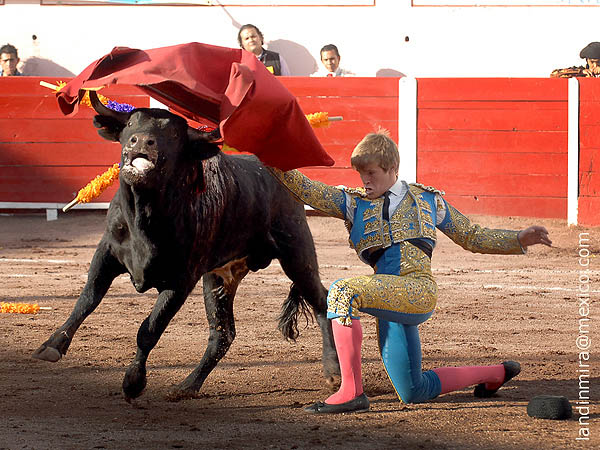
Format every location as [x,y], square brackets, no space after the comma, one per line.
[418,38]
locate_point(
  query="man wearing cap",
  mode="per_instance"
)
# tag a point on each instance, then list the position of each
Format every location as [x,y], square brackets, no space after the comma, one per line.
[591,54]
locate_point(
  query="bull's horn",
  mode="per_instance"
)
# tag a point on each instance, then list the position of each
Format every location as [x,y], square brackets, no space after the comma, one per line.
[211,136]
[104,111]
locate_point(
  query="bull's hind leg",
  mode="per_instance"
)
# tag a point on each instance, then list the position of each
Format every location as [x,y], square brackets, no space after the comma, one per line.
[103,270]
[220,287]
[299,262]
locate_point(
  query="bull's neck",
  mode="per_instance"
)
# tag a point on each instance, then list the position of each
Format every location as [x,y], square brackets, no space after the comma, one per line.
[179,202]
[149,210]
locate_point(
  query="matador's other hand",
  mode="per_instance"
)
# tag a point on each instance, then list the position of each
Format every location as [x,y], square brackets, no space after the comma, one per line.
[535,234]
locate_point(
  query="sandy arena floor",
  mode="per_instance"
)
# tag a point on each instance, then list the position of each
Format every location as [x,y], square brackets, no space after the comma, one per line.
[491,308]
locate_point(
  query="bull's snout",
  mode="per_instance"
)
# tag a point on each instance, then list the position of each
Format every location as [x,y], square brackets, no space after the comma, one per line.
[140,155]
[141,141]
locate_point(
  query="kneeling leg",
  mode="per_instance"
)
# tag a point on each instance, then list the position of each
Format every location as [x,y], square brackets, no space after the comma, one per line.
[400,349]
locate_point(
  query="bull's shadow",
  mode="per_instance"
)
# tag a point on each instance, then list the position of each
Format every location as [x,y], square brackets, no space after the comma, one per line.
[185,210]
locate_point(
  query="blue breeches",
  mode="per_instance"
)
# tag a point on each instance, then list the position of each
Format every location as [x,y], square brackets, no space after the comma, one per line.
[400,302]
[400,349]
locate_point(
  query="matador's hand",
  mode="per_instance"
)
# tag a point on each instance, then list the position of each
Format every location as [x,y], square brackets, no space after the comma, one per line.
[534,235]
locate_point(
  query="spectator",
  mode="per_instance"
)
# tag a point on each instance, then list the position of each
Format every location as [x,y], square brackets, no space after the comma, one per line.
[9,58]
[251,39]
[591,54]
[330,57]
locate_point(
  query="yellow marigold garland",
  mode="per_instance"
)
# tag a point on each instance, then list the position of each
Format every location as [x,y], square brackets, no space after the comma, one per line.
[19,308]
[86,97]
[98,185]
[318,119]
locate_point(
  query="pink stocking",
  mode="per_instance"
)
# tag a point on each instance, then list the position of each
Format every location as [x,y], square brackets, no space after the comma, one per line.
[455,378]
[348,341]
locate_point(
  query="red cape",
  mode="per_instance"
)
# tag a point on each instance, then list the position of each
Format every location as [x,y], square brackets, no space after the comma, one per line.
[229,87]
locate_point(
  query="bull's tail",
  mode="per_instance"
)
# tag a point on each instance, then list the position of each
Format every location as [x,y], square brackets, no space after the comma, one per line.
[293,306]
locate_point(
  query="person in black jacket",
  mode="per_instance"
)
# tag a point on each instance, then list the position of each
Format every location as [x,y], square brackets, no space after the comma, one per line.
[251,39]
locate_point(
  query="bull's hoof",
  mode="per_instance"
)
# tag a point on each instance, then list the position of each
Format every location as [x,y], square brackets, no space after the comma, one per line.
[47,354]
[176,395]
[331,372]
[134,382]
[333,381]
[331,369]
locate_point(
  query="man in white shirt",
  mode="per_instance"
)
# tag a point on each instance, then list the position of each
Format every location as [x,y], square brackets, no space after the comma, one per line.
[330,57]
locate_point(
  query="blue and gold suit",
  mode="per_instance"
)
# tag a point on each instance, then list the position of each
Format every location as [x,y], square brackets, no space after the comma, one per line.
[401,293]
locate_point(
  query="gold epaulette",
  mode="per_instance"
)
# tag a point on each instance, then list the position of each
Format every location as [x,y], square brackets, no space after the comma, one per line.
[428,188]
[356,191]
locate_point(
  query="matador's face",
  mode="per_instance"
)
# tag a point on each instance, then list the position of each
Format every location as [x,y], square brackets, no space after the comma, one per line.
[376,180]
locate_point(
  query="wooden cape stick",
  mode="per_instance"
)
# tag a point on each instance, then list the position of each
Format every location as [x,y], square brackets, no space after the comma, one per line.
[70,204]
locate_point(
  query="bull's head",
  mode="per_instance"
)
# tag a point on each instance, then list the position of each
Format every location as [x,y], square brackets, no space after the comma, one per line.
[154,142]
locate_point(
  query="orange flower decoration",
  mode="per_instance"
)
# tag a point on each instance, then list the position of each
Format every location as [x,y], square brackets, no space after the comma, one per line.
[95,187]
[86,100]
[318,119]
[19,308]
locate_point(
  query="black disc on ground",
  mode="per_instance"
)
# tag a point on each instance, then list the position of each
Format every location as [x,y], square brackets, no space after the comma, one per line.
[554,407]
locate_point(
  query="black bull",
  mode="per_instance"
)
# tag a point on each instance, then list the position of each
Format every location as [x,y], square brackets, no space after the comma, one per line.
[183,211]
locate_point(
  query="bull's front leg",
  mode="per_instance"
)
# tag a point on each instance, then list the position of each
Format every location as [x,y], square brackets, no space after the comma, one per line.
[152,328]
[220,287]
[104,269]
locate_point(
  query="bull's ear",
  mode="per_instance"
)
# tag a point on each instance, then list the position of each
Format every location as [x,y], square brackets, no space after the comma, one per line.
[201,144]
[108,127]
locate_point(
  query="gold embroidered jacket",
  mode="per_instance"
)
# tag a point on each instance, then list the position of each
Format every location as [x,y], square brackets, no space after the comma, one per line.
[415,218]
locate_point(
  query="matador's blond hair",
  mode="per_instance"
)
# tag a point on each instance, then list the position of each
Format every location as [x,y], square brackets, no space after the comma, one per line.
[378,148]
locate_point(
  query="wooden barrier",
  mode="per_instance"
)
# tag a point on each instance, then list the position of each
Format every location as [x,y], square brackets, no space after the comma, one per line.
[46,157]
[496,146]
[589,152]
[366,104]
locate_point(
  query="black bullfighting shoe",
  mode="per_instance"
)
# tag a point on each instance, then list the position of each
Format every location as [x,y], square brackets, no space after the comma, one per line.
[357,404]
[511,370]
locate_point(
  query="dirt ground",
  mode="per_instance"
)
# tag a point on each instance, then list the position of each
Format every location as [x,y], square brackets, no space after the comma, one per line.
[491,308]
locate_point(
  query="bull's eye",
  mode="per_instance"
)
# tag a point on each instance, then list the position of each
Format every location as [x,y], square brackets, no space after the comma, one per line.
[150,142]
[133,139]
[129,124]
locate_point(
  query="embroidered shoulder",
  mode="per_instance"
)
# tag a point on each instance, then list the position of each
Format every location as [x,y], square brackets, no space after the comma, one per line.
[356,191]
[422,187]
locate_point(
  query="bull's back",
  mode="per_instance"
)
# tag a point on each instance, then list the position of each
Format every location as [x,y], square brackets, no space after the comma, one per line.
[260,188]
